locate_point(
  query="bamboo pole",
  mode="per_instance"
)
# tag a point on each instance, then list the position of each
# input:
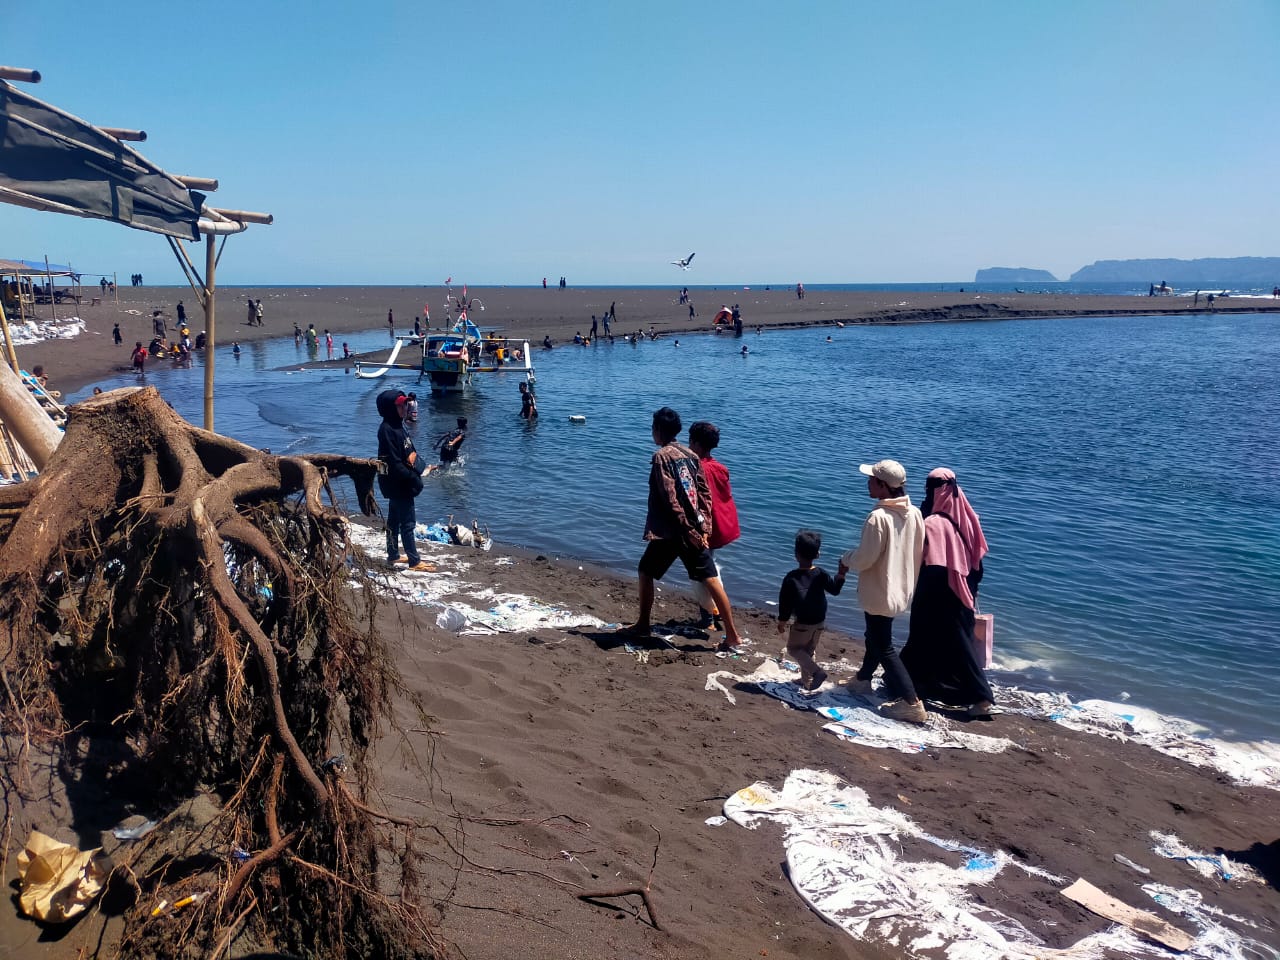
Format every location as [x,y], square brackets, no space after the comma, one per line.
[19,73]
[8,337]
[48,276]
[120,133]
[211,341]
[244,216]
[22,414]
[198,183]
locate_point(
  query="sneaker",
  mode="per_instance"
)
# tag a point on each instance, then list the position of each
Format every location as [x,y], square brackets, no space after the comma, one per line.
[861,688]
[422,567]
[902,710]
[982,710]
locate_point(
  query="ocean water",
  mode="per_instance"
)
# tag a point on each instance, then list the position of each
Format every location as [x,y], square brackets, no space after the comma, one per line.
[1126,471]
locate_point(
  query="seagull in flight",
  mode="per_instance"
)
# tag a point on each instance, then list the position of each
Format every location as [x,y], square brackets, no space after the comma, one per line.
[683,264]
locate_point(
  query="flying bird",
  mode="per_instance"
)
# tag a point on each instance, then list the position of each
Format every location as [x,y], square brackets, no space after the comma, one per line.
[683,264]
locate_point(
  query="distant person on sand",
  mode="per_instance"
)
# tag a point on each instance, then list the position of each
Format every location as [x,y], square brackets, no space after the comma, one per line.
[595,327]
[451,442]
[115,335]
[417,327]
[692,314]
[799,291]
[157,323]
[607,317]
[677,526]
[182,315]
[1209,300]
[939,652]
[704,437]
[257,311]
[102,283]
[391,322]
[804,596]
[139,357]
[328,343]
[528,403]
[400,473]
[887,561]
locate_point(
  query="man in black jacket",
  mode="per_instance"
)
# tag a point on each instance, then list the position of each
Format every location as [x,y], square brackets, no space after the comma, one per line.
[400,480]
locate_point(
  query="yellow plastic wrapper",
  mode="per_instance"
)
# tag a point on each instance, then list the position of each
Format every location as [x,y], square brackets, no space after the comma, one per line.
[57,881]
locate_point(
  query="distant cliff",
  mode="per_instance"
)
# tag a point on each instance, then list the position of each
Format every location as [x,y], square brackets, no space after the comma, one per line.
[1233,271]
[1014,275]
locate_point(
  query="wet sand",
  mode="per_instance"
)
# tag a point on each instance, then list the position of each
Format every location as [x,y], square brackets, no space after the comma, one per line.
[533,313]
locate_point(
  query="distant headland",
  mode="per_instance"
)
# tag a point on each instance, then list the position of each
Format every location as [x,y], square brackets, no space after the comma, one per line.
[1014,275]
[1234,271]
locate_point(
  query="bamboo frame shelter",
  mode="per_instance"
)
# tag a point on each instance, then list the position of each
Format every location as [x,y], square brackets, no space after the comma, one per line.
[51,160]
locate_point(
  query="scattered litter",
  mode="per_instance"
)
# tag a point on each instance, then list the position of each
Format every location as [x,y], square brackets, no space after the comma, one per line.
[843,857]
[57,881]
[1254,764]
[1205,864]
[1125,861]
[164,907]
[33,331]
[716,821]
[850,719]
[577,418]
[452,620]
[1145,923]
[640,653]
[122,832]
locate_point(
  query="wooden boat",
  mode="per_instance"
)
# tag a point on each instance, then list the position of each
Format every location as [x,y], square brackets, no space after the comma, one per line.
[451,358]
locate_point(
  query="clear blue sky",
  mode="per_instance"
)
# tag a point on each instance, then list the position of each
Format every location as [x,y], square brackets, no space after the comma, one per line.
[841,141]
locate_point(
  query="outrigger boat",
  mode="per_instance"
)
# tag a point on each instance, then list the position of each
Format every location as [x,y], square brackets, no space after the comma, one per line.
[451,358]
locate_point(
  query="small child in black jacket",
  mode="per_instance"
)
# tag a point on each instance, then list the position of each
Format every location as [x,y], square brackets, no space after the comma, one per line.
[804,594]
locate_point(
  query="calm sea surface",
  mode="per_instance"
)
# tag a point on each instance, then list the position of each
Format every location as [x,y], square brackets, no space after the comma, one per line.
[1127,472]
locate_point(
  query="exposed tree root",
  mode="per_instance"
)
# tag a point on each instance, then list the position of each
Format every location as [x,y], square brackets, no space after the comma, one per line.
[192,602]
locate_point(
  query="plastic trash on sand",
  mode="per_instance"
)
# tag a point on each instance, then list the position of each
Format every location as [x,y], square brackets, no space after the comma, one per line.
[56,880]
[846,860]
[455,621]
[137,832]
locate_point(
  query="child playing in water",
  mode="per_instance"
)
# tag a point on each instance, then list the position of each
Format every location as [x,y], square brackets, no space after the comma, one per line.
[804,595]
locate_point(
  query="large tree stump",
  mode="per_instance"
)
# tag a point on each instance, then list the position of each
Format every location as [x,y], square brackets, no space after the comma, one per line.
[191,599]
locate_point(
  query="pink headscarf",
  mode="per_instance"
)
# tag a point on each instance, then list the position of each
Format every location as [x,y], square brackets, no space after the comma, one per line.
[956,543]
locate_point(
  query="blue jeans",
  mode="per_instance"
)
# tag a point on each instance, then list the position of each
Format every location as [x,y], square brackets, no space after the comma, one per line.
[401,519]
[880,651]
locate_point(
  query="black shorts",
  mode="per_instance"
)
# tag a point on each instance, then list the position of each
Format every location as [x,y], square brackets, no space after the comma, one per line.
[659,555]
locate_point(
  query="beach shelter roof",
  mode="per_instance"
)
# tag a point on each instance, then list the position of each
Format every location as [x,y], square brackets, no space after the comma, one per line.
[30,268]
[50,160]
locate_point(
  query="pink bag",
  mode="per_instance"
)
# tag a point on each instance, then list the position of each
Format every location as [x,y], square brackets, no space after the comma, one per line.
[984,628]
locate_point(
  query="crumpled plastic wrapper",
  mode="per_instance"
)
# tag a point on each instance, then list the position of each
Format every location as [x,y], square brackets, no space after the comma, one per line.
[58,881]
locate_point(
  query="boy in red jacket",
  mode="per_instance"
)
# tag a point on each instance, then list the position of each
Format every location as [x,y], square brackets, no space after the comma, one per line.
[703,438]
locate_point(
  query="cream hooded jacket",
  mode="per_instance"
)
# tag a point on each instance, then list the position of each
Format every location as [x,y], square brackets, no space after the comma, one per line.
[887,559]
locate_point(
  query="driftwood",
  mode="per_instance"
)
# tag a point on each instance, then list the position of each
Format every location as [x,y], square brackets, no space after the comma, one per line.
[193,603]
[592,896]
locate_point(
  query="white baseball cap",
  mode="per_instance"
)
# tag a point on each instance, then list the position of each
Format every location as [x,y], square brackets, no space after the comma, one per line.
[889,472]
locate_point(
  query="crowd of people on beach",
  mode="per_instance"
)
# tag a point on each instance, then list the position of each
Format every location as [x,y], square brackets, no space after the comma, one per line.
[926,560]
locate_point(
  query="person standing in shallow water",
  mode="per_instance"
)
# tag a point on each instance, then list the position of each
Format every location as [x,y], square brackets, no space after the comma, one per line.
[887,560]
[939,652]
[400,474]
[677,526]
